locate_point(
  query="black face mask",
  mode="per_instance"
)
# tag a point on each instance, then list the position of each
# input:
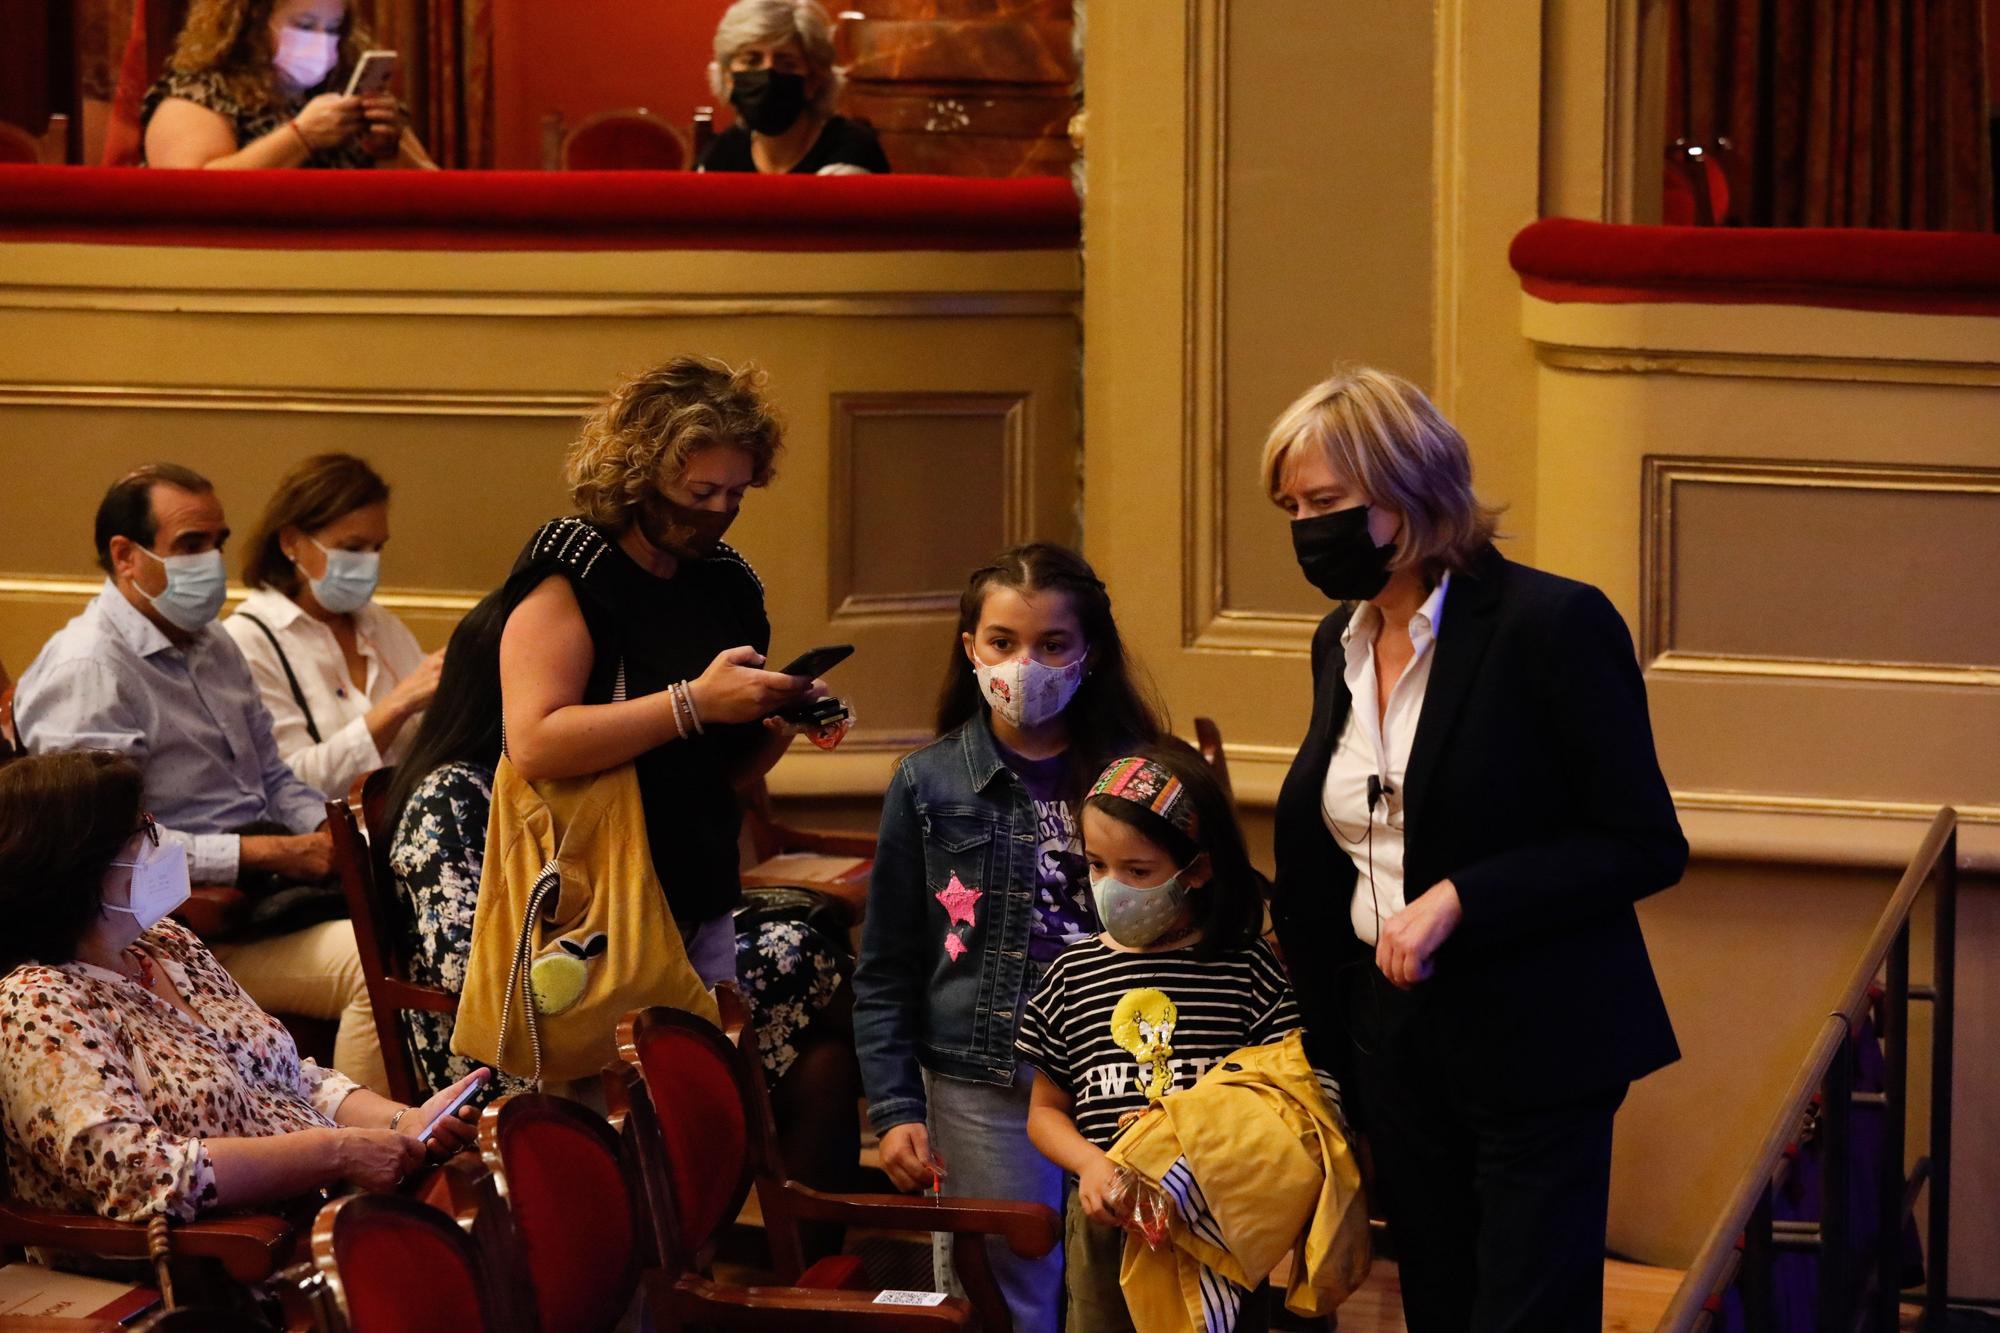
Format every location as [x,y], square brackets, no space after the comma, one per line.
[1339,557]
[769,101]
[691,534]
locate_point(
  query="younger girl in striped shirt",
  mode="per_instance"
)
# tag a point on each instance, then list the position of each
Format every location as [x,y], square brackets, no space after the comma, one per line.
[1177,980]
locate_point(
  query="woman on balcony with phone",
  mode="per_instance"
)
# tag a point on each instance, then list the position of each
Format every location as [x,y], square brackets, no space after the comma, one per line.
[276,83]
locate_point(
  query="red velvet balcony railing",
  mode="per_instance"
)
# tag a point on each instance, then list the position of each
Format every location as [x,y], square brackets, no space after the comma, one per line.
[612,210]
[1927,272]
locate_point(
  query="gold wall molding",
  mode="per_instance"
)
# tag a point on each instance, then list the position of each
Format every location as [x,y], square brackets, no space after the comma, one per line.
[55,588]
[1762,803]
[237,398]
[505,305]
[1203,247]
[1744,365]
[1009,413]
[1661,474]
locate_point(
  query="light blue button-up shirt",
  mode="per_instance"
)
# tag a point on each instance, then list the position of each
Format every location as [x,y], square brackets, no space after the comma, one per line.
[191,718]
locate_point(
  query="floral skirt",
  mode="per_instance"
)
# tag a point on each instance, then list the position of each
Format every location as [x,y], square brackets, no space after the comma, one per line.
[788,972]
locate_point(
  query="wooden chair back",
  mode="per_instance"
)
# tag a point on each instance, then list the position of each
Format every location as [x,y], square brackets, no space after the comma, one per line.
[1208,740]
[395,1264]
[708,1121]
[361,860]
[581,1229]
[628,139]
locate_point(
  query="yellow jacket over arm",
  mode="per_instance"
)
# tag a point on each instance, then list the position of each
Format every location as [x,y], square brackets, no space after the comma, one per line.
[1259,1138]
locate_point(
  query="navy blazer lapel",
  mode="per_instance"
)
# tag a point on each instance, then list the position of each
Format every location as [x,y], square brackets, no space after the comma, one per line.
[1471,608]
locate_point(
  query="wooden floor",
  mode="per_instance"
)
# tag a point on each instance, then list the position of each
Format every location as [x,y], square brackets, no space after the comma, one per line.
[1634,1299]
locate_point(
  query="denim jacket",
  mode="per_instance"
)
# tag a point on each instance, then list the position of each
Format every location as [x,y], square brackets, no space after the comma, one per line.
[944,948]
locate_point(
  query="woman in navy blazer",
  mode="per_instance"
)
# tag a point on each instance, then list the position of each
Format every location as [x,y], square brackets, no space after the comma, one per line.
[1460,841]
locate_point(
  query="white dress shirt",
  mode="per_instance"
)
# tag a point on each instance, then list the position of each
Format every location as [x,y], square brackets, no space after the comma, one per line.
[1373,840]
[345,749]
[189,717]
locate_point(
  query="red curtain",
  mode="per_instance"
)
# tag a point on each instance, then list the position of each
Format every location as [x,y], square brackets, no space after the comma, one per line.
[447,72]
[1838,113]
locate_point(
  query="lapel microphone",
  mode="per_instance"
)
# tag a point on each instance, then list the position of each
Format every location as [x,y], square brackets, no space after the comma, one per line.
[1377,789]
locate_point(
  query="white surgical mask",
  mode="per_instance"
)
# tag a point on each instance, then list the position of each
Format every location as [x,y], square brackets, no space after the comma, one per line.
[1136,917]
[196,587]
[1026,692]
[304,58]
[159,884]
[349,580]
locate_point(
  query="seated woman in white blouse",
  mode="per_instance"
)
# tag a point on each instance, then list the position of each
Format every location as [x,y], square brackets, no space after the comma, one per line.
[136,1078]
[341,676]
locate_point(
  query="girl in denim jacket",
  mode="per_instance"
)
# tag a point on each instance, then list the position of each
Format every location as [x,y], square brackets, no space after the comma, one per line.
[980,882]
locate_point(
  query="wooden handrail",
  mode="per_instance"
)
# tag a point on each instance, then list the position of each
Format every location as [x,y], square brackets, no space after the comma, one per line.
[1718,1262]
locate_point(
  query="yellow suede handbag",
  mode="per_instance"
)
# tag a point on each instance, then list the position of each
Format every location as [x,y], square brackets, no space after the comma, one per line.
[571,930]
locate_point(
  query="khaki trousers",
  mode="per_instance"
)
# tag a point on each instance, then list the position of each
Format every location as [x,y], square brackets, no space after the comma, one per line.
[315,972]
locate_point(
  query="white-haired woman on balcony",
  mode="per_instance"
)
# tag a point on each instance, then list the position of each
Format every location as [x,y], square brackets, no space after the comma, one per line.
[774,66]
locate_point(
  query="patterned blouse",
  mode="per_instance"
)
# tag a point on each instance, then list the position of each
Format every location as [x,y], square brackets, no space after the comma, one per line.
[207,89]
[788,971]
[109,1090]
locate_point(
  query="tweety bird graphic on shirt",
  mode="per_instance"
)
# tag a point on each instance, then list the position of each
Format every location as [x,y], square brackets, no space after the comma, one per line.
[1143,1023]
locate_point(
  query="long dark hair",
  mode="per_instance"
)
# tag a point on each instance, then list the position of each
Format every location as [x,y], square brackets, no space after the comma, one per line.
[63,817]
[462,725]
[1229,908]
[1109,714]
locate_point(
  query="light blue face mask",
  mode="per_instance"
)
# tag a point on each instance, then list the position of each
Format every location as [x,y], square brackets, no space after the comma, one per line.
[349,581]
[196,587]
[1137,917]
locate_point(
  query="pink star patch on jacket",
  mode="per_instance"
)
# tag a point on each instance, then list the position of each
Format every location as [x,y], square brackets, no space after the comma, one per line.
[959,904]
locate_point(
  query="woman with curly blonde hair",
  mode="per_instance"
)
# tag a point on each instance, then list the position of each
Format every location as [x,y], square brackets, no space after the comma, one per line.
[635,634]
[258,83]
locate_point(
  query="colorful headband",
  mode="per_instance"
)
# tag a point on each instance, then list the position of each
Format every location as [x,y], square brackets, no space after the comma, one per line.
[1149,786]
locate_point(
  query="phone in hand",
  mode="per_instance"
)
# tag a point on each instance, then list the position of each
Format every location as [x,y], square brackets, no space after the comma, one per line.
[480,1079]
[816,662]
[372,73]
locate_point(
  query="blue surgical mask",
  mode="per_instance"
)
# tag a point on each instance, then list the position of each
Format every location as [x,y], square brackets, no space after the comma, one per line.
[159,885]
[196,587]
[349,581]
[1137,917]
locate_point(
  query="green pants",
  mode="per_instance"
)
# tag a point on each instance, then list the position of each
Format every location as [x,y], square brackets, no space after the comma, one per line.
[1091,1255]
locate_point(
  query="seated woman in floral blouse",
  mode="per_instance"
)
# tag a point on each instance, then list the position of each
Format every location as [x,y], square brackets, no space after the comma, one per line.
[136,1078]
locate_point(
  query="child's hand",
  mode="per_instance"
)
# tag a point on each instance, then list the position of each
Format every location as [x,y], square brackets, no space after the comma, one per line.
[907,1157]
[1093,1186]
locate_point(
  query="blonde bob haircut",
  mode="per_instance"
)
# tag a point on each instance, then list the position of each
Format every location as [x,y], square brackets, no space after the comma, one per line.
[643,435]
[1379,431]
[755,22]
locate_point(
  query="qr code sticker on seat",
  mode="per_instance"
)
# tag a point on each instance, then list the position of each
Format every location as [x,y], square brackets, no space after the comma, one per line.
[910,1298]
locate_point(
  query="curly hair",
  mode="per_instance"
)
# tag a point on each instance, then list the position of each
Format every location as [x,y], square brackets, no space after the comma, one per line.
[644,434]
[232,39]
[63,817]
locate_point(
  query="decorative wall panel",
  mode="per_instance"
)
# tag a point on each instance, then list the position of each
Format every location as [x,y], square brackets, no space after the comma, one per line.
[1858,571]
[924,487]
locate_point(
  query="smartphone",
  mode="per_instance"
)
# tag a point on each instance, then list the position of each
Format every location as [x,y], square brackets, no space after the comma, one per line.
[481,1078]
[372,73]
[816,662]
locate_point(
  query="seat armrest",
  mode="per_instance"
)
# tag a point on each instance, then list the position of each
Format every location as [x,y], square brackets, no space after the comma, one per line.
[213,910]
[782,1309]
[1030,1229]
[825,842]
[250,1246]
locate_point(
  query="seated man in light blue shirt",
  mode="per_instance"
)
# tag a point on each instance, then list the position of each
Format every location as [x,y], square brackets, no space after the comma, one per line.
[146,672]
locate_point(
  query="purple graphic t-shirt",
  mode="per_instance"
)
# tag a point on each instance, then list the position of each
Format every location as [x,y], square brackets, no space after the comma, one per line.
[1063,913]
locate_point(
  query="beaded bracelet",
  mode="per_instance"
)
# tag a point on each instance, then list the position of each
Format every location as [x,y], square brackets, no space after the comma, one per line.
[687,693]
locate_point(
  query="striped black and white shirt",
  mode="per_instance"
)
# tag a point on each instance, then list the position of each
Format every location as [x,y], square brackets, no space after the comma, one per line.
[1115,1030]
